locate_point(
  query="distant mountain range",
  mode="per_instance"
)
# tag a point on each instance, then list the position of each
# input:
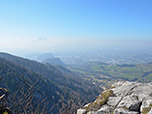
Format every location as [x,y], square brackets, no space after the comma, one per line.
[54,61]
[45,56]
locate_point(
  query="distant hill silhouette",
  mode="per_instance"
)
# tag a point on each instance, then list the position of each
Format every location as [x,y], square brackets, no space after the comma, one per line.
[45,56]
[54,61]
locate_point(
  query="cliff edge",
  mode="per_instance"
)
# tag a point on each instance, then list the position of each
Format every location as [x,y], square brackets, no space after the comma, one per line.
[122,98]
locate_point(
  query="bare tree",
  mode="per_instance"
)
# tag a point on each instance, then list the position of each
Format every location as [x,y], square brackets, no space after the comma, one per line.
[70,105]
[24,102]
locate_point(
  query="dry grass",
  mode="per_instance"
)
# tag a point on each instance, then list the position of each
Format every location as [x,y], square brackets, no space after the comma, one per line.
[101,100]
[147,109]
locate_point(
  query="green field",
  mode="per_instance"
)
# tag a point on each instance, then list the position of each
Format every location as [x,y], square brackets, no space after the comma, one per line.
[97,71]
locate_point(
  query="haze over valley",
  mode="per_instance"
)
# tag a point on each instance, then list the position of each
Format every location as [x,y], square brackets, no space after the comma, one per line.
[76,57]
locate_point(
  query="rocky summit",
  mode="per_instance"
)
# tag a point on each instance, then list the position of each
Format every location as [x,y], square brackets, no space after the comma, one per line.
[122,98]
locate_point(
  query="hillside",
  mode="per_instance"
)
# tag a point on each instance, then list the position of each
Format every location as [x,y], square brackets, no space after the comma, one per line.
[122,98]
[54,83]
[15,76]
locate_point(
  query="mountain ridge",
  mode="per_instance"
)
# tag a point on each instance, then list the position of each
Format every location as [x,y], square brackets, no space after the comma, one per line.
[56,82]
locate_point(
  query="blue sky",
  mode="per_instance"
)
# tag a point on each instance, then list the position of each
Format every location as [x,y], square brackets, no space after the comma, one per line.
[50,25]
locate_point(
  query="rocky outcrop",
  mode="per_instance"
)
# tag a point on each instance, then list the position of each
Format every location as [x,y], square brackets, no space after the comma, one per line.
[122,98]
[81,111]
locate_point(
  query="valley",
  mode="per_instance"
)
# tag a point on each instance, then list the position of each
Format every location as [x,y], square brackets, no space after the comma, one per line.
[62,83]
[76,57]
[97,72]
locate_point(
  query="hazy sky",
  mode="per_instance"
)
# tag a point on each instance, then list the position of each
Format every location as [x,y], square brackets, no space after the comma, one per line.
[28,26]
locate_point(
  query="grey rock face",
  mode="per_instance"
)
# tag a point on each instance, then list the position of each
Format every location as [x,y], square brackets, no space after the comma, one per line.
[129,98]
[113,101]
[130,102]
[124,111]
[81,111]
[105,109]
[91,112]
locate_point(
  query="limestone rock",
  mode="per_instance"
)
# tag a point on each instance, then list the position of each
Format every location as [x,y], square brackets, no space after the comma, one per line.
[130,102]
[113,101]
[124,111]
[128,98]
[81,111]
[105,110]
[91,112]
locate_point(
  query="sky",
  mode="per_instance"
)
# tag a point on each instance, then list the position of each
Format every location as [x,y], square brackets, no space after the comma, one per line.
[32,26]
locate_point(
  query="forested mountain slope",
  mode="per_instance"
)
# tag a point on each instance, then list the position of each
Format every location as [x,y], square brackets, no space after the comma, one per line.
[54,84]
[15,76]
